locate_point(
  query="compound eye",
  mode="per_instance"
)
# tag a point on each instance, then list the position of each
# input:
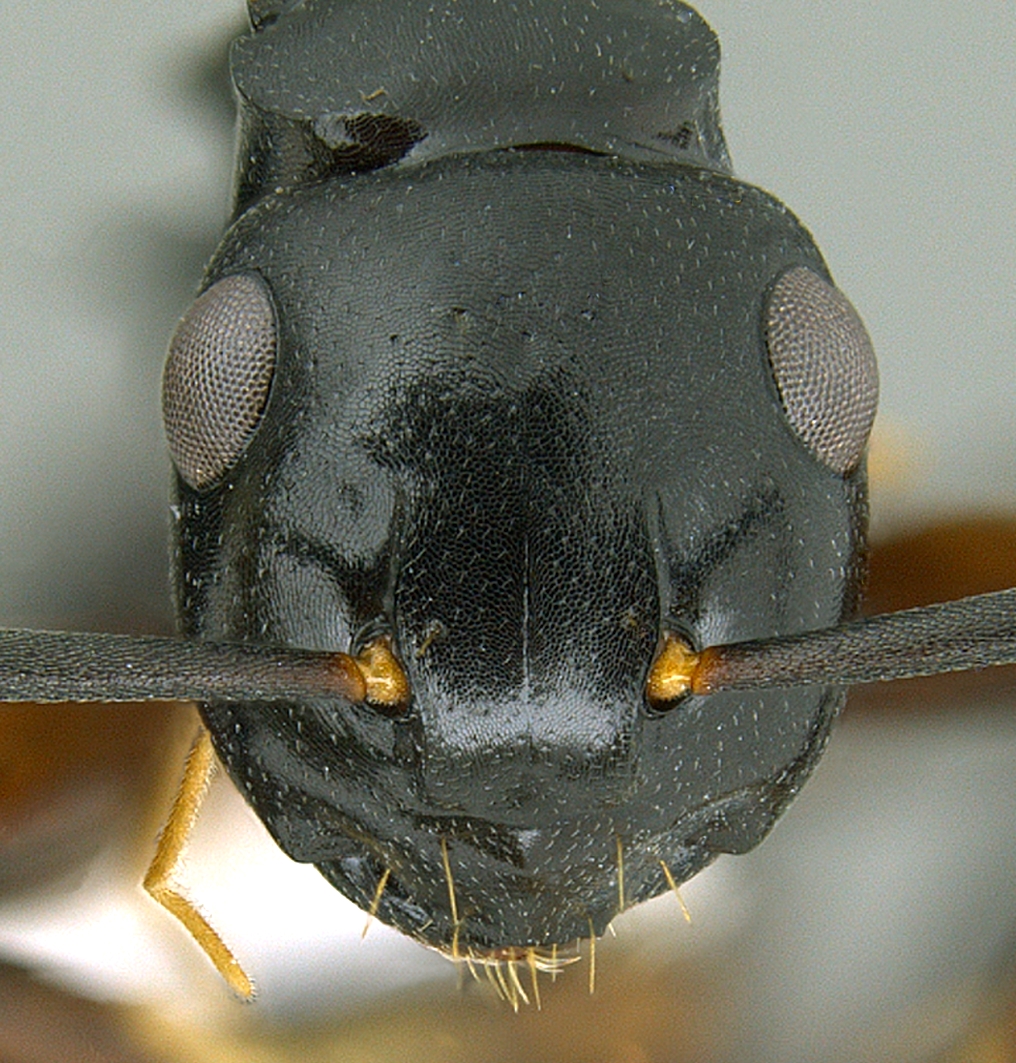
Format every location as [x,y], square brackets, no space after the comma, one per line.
[217,376]
[824,366]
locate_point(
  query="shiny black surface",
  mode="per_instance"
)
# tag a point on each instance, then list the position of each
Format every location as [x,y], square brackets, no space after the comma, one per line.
[329,87]
[522,421]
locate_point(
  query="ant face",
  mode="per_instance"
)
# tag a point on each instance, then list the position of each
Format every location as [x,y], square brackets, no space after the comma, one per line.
[459,444]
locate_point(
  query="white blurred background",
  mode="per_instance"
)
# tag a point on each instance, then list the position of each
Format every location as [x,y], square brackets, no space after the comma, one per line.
[876,921]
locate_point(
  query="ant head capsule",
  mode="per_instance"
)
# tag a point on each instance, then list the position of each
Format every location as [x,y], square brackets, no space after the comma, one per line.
[522,459]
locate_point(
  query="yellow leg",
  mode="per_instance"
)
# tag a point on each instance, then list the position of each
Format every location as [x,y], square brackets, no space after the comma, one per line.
[159,879]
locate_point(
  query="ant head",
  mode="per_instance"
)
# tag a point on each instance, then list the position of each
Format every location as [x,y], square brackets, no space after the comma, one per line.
[518,420]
